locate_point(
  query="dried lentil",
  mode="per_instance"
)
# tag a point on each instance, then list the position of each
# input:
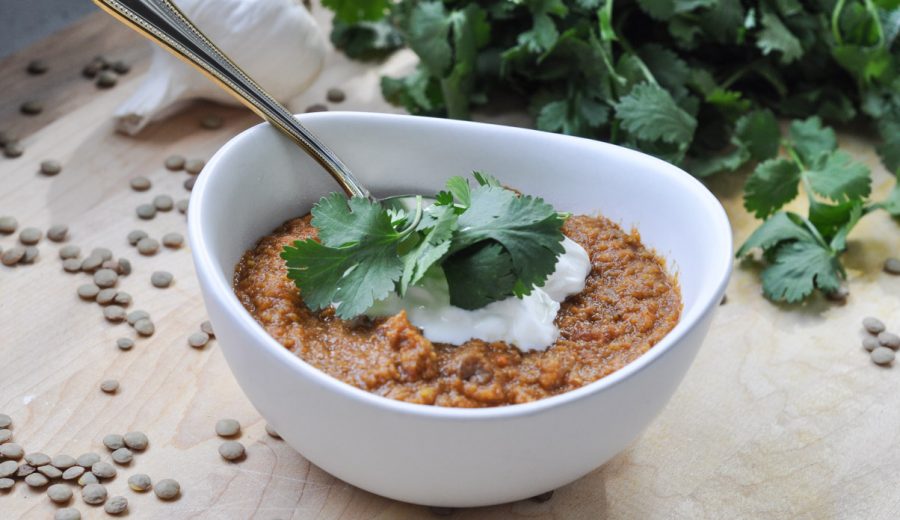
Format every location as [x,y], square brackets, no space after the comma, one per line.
[71,265]
[106,296]
[63,461]
[134,316]
[116,505]
[231,450]
[889,340]
[31,108]
[31,254]
[25,470]
[103,470]
[161,279]
[182,205]
[873,325]
[189,183]
[106,278]
[136,236]
[13,149]
[107,79]
[206,327]
[227,427]
[124,267]
[167,489]
[194,166]
[125,343]
[136,440]
[869,343]
[173,240]
[37,459]
[316,107]
[174,163]
[122,298]
[5,435]
[8,468]
[146,211]
[50,472]
[11,450]
[122,456]
[36,67]
[86,460]
[8,225]
[883,356]
[88,478]
[93,494]
[59,493]
[36,480]
[144,327]
[6,483]
[120,67]
[73,473]
[335,95]
[198,339]
[67,252]
[88,291]
[892,266]
[30,236]
[110,386]
[271,431]
[67,513]
[12,256]
[148,246]
[140,183]
[139,482]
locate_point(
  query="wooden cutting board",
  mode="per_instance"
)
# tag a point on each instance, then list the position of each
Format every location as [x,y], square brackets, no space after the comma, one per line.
[781,416]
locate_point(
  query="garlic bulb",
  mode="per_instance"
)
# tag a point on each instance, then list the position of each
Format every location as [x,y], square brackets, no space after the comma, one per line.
[277,42]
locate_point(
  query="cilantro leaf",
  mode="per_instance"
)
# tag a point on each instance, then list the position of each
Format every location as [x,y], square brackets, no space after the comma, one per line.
[892,203]
[758,132]
[777,229]
[459,188]
[480,275]
[775,36]
[650,113]
[428,33]
[772,185]
[811,140]
[840,178]
[355,274]
[431,249]
[357,10]
[799,268]
[366,40]
[528,229]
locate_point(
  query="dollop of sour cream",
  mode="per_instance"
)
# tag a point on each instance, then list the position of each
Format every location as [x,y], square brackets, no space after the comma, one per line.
[526,323]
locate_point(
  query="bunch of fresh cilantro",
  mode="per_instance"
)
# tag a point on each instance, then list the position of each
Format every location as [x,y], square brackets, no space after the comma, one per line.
[803,254]
[489,242]
[674,78]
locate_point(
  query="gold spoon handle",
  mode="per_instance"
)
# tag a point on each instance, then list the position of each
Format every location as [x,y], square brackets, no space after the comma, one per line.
[165,24]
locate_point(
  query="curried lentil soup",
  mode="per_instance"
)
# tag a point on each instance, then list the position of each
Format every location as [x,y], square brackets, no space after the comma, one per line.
[628,304]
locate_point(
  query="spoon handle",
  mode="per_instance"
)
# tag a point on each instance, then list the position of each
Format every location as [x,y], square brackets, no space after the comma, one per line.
[165,24]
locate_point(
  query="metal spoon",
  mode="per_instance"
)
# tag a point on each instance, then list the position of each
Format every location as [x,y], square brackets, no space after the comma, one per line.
[165,24]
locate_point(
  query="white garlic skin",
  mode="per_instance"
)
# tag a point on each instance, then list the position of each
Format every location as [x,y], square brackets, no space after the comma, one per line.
[277,42]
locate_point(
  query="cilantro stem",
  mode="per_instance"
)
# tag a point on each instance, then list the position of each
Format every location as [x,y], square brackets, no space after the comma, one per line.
[836,22]
[416,219]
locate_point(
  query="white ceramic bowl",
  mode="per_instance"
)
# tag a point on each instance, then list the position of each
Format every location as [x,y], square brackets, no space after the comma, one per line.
[442,456]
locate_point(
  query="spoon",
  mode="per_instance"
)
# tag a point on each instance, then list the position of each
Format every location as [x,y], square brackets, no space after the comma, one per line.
[165,24]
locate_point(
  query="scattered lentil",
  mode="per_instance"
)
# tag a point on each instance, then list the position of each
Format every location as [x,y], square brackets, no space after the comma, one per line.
[68,252]
[136,440]
[231,450]
[227,427]
[122,298]
[889,340]
[316,107]
[8,468]
[36,480]
[91,263]
[140,183]
[116,505]
[883,356]
[86,460]
[892,266]
[91,70]
[120,67]
[31,254]
[25,470]
[31,108]
[50,472]
[174,163]
[189,183]
[93,494]
[106,278]
[103,470]
[173,240]
[543,497]
[110,264]
[144,327]
[88,291]
[103,253]
[73,473]
[163,203]
[12,451]
[134,316]
[6,483]
[106,296]
[5,435]
[271,431]
[125,343]
[36,67]
[194,166]
[107,79]
[135,236]
[12,256]
[869,343]
[114,313]
[211,122]
[67,513]
[110,386]
[88,478]
[167,489]
[8,225]
[113,441]
[873,325]
[50,167]
[13,149]
[122,456]
[161,279]
[59,493]
[198,340]
[335,95]
[148,246]
[206,327]
[30,236]
[139,482]
[63,461]
[124,267]
[37,459]
[182,205]
[146,211]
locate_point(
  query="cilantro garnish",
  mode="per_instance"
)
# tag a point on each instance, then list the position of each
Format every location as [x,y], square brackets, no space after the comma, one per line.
[803,254]
[490,243]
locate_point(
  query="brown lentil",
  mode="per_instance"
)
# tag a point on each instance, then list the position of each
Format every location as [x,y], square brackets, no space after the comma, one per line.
[125,343]
[103,253]
[6,483]
[122,456]
[163,203]
[182,205]
[103,470]
[36,67]
[189,183]
[63,461]
[8,468]
[93,494]
[144,327]
[883,356]
[31,108]
[174,163]
[37,459]
[316,107]
[120,67]
[271,431]
[148,246]
[88,478]
[91,263]
[107,79]
[134,316]
[206,327]
[71,265]
[231,450]
[146,211]
[50,472]
[116,505]
[8,225]
[198,339]
[67,513]
[30,236]
[122,298]
[124,267]
[889,340]
[88,291]
[86,460]
[114,313]
[892,266]
[11,450]
[106,296]
[173,240]
[5,435]
[106,278]
[194,166]
[140,183]
[13,149]
[31,254]
[335,95]
[73,473]
[68,252]
[873,325]
[227,427]
[136,440]
[161,279]
[36,480]
[25,470]
[167,489]
[135,236]
[869,343]
[59,493]
[139,482]
[110,386]
[12,256]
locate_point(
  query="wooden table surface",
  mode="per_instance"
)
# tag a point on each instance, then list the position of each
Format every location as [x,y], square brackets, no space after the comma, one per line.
[781,416]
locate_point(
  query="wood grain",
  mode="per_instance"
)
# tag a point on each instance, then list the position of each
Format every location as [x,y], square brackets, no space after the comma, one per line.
[781,416]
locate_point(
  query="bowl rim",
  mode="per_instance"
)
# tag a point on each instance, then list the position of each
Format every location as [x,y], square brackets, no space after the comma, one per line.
[222,290]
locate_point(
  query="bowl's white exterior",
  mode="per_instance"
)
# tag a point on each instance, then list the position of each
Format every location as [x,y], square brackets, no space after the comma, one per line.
[431,455]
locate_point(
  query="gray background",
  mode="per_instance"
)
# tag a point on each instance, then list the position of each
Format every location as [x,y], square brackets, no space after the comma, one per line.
[23,22]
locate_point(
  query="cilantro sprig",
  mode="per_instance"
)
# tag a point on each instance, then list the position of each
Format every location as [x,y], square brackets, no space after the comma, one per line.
[489,242]
[803,253]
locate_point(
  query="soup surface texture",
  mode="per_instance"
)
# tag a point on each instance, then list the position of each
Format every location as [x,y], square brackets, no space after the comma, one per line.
[628,304]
